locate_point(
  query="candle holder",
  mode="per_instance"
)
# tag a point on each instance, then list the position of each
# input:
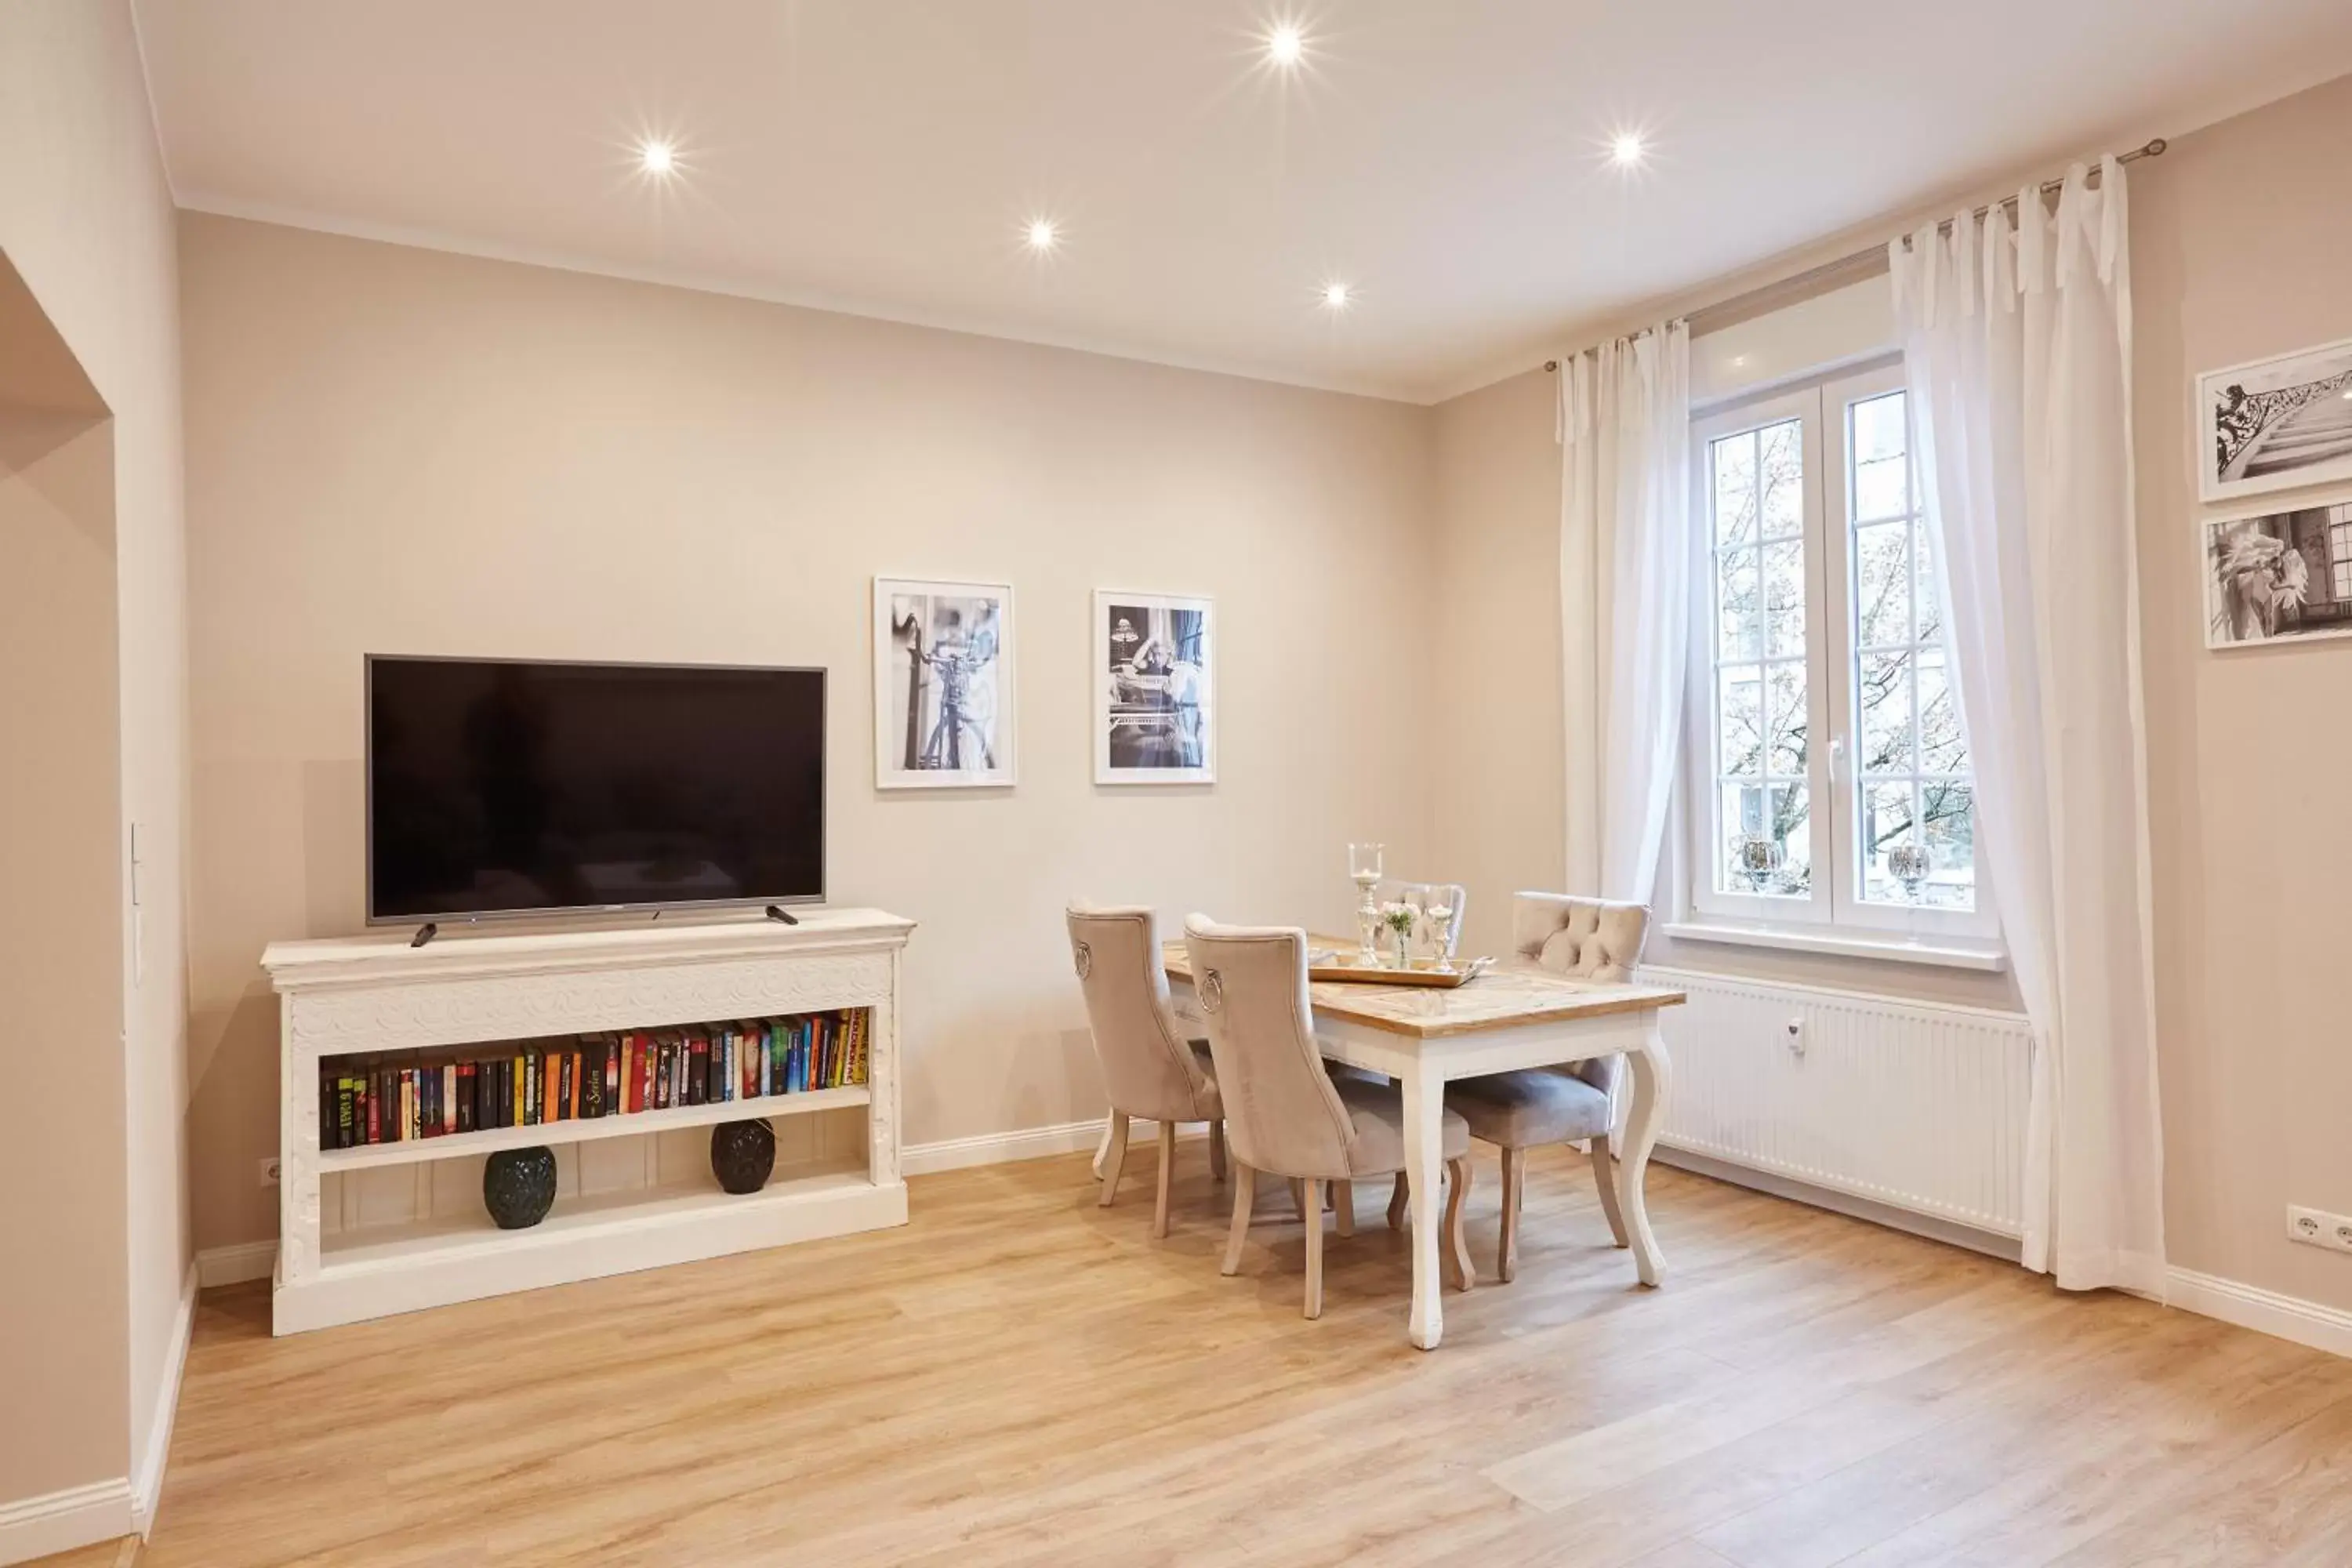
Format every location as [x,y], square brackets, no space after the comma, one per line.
[1441,932]
[1364,866]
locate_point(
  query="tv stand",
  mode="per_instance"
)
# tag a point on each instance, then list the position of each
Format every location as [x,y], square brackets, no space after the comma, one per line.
[424,933]
[374,1229]
[778,913]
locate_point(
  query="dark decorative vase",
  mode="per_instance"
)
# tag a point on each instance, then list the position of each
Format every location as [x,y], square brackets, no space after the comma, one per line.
[519,1186]
[741,1155]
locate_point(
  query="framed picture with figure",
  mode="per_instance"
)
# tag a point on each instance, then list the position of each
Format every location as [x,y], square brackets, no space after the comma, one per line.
[2279,576]
[2275,423]
[1155,710]
[943,684]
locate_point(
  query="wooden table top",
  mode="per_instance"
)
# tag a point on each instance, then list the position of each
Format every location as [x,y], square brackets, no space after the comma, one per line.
[1502,998]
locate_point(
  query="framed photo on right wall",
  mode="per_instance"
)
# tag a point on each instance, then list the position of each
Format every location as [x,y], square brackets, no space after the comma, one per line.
[2275,423]
[2282,575]
[1155,678]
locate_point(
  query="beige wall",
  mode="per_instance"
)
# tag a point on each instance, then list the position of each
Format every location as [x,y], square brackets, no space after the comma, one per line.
[86,219]
[64,1366]
[2241,244]
[2242,248]
[402,452]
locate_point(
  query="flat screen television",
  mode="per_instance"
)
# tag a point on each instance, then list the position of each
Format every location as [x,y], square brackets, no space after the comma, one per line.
[511,787]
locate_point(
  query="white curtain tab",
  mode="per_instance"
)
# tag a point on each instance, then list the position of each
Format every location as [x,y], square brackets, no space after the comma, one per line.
[1626,555]
[2017,351]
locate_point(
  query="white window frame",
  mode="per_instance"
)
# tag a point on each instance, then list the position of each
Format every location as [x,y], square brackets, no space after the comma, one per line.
[1833,903]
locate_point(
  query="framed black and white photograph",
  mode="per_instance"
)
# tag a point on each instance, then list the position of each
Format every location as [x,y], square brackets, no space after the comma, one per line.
[2276,423]
[2279,576]
[1155,689]
[942,684]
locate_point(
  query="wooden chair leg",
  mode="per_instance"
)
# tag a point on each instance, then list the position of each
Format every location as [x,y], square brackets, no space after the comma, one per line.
[1399,1203]
[1167,1175]
[1313,1210]
[1343,1207]
[1453,1245]
[1514,1178]
[1244,1196]
[1604,1176]
[1113,1159]
[1217,1150]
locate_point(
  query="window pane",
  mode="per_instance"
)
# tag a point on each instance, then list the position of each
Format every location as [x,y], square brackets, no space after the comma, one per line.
[1784,599]
[1882,584]
[1733,458]
[1948,824]
[1739,721]
[1888,823]
[1931,603]
[1878,432]
[1785,757]
[1791,826]
[1738,599]
[1880,490]
[1783,447]
[1884,686]
[1768,845]
[1942,748]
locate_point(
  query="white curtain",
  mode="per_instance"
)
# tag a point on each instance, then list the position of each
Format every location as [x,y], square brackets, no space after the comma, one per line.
[1625,562]
[2017,347]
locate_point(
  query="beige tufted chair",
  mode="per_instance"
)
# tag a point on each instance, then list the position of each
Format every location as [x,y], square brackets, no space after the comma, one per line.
[1148,1066]
[1590,940]
[1284,1114]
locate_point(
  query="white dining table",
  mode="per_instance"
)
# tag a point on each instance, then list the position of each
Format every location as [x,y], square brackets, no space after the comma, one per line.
[1507,1017]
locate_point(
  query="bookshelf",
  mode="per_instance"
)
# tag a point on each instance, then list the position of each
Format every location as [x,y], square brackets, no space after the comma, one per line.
[373,1228]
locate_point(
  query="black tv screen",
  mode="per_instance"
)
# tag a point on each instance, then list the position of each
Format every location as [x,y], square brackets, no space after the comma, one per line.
[501,786]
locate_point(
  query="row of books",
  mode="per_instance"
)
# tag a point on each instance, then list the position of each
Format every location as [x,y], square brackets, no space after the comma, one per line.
[376,1099]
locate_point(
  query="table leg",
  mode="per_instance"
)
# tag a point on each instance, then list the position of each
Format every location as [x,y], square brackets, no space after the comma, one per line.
[1653,1076]
[1424,1159]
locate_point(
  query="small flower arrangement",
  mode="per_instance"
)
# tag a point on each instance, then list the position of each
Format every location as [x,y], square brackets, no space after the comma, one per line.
[1399,917]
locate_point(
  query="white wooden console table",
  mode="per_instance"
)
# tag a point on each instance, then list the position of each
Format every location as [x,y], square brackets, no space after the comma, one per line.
[635,1191]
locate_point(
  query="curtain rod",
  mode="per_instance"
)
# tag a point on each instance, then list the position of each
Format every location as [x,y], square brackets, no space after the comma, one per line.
[1798,282]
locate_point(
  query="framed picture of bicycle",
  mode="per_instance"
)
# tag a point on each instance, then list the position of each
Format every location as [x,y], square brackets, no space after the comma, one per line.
[1155,689]
[2279,576]
[2275,423]
[943,685]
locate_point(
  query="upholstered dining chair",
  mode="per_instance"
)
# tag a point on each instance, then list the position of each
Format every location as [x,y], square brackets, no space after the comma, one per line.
[1516,1112]
[1149,1066]
[1284,1114]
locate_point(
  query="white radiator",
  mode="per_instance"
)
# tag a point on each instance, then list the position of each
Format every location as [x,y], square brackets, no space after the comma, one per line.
[1913,1105]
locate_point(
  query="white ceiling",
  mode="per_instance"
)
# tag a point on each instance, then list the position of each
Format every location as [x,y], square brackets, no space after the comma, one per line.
[1444,157]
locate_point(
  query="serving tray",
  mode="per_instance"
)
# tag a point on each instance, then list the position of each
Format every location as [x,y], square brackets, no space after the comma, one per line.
[1343,967]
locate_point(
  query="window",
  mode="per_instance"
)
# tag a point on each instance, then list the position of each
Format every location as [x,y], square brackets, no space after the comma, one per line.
[2340,553]
[1828,777]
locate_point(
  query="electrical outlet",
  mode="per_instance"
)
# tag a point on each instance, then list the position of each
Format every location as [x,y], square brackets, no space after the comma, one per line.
[269,1172]
[2318,1227]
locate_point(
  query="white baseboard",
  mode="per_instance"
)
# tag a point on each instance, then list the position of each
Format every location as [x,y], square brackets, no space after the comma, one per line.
[147,1465]
[2291,1318]
[236,1263]
[1026,1143]
[61,1521]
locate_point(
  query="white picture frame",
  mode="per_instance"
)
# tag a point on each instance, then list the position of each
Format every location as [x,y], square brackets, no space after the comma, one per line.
[2275,423]
[2278,575]
[949,646]
[1154,679]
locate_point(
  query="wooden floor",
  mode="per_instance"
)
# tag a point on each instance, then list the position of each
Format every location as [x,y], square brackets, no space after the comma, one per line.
[1018,1377]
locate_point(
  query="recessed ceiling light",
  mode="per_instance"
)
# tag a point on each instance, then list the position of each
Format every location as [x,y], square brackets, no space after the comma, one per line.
[1336,296]
[1286,45]
[1626,148]
[1042,235]
[658,158]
